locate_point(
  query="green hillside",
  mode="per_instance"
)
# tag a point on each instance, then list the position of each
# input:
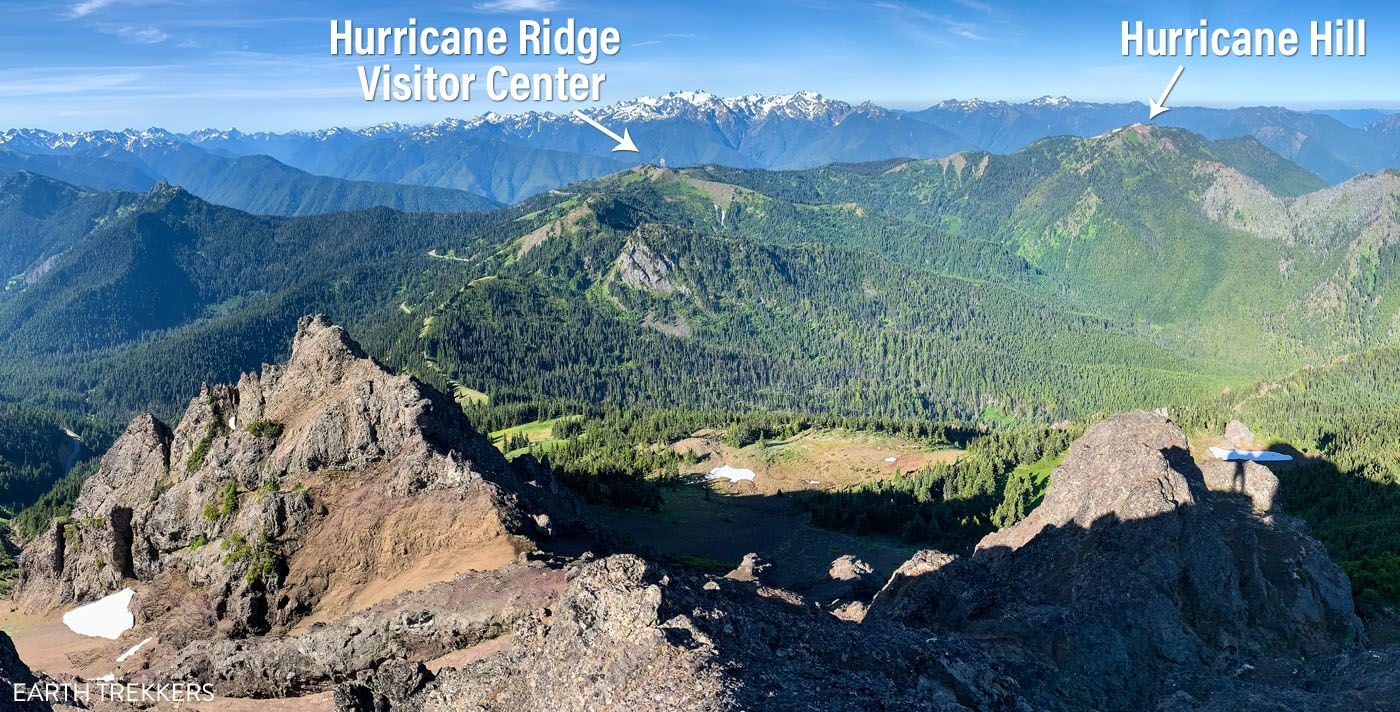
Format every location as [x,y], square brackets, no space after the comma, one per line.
[1216,249]
[623,296]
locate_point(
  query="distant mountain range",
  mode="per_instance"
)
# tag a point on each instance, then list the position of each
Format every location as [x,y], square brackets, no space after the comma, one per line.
[492,159]
[1214,262]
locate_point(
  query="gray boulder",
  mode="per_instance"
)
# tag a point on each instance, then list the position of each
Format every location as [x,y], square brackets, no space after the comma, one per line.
[1250,480]
[1238,434]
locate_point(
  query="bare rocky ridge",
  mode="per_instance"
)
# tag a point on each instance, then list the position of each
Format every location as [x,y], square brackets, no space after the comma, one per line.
[307,492]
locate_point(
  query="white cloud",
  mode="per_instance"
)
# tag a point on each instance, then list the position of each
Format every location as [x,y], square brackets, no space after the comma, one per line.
[931,26]
[976,5]
[69,83]
[506,5]
[143,35]
[87,7]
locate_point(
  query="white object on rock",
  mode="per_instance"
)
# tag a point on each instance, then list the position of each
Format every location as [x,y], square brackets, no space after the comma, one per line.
[1251,455]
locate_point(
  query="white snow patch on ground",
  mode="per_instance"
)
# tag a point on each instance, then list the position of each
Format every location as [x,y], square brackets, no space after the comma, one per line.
[1254,455]
[132,650]
[733,474]
[105,618]
[891,459]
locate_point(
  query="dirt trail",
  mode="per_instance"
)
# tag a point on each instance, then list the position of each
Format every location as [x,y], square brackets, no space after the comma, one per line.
[47,645]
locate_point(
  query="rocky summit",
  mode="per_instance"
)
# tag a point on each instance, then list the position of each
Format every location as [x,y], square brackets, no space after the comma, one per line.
[328,530]
[308,491]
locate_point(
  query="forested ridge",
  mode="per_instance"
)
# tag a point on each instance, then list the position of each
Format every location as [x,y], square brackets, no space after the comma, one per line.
[1001,303]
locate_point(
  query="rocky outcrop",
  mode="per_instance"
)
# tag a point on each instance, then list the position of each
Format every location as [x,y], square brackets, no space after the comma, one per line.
[750,568]
[1238,434]
[414,627]
[310,490]
[1250,480]
[286,536]
[628,635]
[640,268]
[1132,577]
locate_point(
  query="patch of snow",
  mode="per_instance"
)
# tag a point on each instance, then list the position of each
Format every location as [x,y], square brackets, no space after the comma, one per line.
[1251,455]
[107,617]
[812,482]
[891,459]
[109,677]
[132,650]
[733,474]
[233,422]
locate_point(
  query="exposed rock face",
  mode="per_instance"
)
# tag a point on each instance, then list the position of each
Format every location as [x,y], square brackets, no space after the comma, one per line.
[848,568]
[1141,582]
[312,489]
[640,268]
[625,635]
[1242,477]
[1131,575]
[849,585]
[417,626]
[892,596]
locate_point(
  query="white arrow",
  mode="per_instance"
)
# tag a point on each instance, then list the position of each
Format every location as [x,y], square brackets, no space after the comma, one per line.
[1155,108]
[624,142]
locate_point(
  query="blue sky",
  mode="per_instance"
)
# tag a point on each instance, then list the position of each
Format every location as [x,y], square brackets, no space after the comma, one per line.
[260,65]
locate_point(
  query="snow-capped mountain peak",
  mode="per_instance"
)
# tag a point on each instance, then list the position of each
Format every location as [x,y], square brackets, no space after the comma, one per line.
[753,107]
[1055,101]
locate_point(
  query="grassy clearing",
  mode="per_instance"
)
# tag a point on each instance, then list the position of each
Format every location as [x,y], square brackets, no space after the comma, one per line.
[469,396]
[539,434]
[818,458]
[1039,472]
